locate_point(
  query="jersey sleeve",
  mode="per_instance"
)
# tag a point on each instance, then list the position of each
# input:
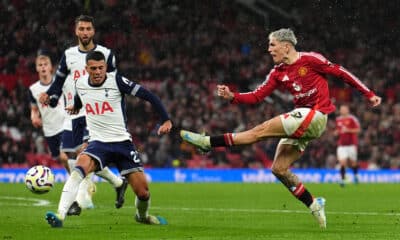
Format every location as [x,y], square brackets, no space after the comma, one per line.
[262,91]
[32,100]
[55,89]
[125,85]
[134,89]
[322,65]
[111,62]
[77,102]
[355,123]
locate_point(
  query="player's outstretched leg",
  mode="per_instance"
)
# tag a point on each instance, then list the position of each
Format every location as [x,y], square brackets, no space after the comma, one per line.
[68,196]
[121,193]
[119,184]
[54,219]
[318,211]
[200,141]
[142,216]
[139,184]
[87,189]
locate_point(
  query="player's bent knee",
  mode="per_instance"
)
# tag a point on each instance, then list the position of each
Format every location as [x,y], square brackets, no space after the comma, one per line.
[87,163]
[143,194]
[278,170]
[63,157]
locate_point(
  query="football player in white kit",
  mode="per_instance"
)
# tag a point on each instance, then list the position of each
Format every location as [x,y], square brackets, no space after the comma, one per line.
[71,67]
[42,116]
[102,94]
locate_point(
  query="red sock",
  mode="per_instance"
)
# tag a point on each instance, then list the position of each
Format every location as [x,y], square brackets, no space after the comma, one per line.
[228,137]
[301,193]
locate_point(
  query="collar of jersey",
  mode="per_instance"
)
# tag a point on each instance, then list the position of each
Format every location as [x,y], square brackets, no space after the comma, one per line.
[95,46]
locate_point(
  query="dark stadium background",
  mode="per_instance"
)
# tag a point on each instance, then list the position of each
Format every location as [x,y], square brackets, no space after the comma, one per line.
[182,49]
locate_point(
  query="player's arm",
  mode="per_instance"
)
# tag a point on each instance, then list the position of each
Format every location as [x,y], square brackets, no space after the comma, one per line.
[35,117]
[336,131]
[74,109]
[324,66]
[256,96]
[54,93]
[354,126]
[35,114]
[134,89]
[352,130]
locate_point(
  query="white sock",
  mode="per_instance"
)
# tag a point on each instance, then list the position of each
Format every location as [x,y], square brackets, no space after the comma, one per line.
[69,193]
[142,207]
[108,175]
[71,164]
[84,196]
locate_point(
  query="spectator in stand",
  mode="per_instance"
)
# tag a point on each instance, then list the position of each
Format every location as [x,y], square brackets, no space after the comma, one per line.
[197,45]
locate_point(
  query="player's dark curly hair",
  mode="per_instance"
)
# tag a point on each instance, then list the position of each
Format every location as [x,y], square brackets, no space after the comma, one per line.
[95,55]
[84,18]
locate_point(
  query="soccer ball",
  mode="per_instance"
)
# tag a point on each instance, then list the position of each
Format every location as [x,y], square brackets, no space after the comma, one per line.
[39,179]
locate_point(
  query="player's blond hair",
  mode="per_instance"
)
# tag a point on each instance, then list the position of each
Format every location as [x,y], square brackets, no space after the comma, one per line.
[284,35]
[44,57]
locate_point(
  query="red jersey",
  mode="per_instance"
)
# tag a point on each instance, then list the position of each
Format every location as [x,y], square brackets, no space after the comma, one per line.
[347,122]
[306,80]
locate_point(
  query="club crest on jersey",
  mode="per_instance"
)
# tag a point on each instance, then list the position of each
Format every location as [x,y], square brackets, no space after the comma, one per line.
[98,108]
[302,71]
[296,87]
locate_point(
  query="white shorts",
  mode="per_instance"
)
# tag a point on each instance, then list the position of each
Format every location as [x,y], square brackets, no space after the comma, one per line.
[301,128]
[347,152]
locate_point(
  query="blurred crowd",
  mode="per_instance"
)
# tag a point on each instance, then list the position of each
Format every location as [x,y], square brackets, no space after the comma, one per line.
[182,49]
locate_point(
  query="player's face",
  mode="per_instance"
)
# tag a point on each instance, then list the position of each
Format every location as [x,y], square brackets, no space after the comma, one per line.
[277,50]
[85,32]
[43,66]
[97,71]
[344,110]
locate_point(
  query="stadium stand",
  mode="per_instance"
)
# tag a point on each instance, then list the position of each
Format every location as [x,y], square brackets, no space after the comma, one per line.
[182,49]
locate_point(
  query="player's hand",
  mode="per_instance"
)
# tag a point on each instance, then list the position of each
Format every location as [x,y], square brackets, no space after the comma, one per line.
[36,122]
[44,98]
[375,101]
[71,110]
[165,128]
[224,92]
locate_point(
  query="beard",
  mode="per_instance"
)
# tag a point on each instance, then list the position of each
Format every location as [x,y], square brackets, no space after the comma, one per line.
[85,42]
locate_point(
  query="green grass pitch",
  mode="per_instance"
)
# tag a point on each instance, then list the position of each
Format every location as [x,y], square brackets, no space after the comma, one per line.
[210,211]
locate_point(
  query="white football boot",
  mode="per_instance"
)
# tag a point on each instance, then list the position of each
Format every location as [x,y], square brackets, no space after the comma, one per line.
[318,211]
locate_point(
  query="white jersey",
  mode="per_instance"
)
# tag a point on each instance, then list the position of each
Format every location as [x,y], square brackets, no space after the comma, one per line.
[72,66]
[51,117]
[105,107]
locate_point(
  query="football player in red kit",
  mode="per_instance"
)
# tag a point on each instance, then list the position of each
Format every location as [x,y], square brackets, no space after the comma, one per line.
[347,129]
[303,74]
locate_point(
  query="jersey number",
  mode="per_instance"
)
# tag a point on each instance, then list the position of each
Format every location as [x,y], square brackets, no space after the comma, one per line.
[135,158]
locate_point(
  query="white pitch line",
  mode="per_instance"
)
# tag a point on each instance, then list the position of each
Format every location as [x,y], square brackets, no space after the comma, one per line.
[36,201]
[269,211]
[43,202]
